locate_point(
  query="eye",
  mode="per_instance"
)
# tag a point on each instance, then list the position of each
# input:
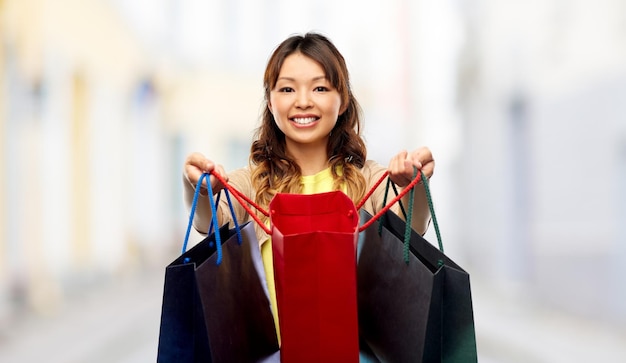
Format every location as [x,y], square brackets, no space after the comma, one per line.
[321,89]
[285,89]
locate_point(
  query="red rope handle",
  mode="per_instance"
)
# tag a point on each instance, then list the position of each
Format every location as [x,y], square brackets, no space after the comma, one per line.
[392,202]
[371,191]
[244,201]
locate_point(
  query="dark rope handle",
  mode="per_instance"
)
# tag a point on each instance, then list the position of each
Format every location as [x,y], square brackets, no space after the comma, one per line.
[429,199]
[432,211]
[406,190]
[408,216]
[431,207]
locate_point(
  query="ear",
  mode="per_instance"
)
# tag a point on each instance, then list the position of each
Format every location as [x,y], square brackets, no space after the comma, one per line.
[343,109]
[345,103]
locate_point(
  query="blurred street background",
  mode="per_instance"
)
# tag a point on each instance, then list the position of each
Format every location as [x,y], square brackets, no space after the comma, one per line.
[523,104]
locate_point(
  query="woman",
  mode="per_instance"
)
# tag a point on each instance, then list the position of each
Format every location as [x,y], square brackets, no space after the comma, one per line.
[309,141]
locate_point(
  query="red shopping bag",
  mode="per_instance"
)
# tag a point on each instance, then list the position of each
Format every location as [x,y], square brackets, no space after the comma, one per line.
[314,241]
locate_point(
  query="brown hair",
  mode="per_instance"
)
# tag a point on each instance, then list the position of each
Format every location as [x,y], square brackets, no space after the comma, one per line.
[273,171]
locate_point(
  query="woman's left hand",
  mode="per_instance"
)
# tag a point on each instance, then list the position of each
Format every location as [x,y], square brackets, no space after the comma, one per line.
[401,165]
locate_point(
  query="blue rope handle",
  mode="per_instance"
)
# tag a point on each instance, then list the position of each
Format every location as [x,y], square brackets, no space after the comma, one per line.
[232,213]
[218,238]
[192,213]
[214,221]
[217,202]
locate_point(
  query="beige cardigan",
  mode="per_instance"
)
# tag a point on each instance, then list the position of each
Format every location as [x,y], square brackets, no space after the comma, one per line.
[240,180]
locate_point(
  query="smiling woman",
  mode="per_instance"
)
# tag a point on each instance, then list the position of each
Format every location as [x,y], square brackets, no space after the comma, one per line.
[309,141]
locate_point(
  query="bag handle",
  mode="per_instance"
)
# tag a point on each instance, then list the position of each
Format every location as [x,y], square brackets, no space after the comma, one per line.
[245,203]
[417,177]
[214,222]
[385,208]
[408,217]
[429,200]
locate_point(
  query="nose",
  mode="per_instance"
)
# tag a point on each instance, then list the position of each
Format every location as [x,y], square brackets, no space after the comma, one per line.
[303,100]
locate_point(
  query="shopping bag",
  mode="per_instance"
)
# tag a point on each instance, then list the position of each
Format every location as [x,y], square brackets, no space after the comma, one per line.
[183,334]
[314,255]
[414,302]
[236,306]
[215,303]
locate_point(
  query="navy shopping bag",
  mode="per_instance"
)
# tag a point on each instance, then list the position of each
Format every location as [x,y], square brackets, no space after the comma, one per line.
[215,305]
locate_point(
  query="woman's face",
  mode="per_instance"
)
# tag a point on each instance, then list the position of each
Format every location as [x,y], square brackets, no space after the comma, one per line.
[304,103]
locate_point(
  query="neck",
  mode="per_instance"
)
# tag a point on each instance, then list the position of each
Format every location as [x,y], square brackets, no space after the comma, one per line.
[311,160]
[312,168]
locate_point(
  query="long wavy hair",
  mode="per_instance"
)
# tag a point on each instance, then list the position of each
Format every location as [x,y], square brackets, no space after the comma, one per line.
[273,170]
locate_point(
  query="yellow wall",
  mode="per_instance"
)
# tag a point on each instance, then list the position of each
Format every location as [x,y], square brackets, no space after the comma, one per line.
[78,50]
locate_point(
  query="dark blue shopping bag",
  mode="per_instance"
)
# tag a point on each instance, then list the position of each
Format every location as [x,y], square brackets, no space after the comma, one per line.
[215,304]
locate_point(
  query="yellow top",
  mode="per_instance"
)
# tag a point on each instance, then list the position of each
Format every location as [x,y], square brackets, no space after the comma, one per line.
[321,182]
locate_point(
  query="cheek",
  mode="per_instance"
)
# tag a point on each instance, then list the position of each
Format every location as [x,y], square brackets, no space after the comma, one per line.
[338,107]
[275,107]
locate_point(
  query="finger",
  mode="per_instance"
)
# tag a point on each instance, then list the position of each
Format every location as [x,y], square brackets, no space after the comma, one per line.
[429,169]
[396,165]
[195,165]
[410,164]
[423,160]
[215,183]
[201,162]
[421,155]
[399,171]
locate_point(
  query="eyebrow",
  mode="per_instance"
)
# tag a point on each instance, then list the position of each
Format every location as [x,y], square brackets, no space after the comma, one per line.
[293,79]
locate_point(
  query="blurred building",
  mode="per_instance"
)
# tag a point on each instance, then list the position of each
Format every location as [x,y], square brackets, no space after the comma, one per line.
[84,159]
[541,184]
[101,100]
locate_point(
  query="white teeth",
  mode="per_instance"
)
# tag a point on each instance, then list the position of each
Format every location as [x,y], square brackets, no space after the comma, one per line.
[304,120]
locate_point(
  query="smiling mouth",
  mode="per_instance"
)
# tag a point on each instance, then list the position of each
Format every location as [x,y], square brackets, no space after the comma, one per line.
[304,120]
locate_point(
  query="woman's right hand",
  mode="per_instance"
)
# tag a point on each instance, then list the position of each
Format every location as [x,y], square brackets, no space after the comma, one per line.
[195,165]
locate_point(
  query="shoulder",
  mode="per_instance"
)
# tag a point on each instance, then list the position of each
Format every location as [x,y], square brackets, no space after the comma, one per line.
[243,172]
[372,169]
